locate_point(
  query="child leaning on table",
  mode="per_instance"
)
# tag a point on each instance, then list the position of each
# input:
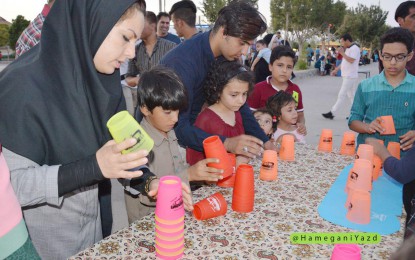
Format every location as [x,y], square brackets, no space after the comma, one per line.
[281,66]
[283,106]
[391,92]
[161,95]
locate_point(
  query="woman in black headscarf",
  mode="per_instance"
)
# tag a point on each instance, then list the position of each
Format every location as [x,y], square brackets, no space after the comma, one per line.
[55,102]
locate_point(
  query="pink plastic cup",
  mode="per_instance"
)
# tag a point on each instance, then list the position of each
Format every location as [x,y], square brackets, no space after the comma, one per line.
[169,238]
[172,227]
[346,252]
[172,255]
[169,205]
[165,244]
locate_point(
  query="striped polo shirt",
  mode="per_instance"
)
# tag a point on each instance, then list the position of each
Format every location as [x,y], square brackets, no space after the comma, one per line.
[376,97]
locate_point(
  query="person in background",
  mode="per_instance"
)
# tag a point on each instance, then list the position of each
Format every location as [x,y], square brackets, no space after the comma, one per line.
[317,52]
[265,120]
[349,66]
[60,148]
[163,27]
[310,54]
[31,35]
[261,68]
[183,15]
[281,65]
[230,37]
[263,52]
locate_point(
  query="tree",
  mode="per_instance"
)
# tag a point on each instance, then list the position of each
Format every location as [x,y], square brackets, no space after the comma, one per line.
[306,18]
[211,8]
[17,27]
[365,24]
[4,34]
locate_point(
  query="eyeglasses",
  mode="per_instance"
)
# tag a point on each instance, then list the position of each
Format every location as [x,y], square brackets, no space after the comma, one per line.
[398,58]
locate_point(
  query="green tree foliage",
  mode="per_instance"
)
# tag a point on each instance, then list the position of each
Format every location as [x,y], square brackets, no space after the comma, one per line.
[211,8]
[17,27]
[306,18]
[365,24]
[4,34]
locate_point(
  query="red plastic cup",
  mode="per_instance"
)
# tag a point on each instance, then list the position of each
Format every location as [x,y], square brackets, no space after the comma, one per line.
[388,125]
[326,141]
[348,144]
[269,167]
[228,182]
[287,148]
[361,175]
[214,148]
[169,205]
[359,207]
[244,189]
[213,206]
[394,149]
[346,252]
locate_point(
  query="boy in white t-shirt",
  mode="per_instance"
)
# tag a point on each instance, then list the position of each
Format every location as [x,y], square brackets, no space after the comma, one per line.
[263,52]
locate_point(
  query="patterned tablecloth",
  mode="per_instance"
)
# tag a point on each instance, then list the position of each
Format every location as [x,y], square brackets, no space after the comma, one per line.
[281,208]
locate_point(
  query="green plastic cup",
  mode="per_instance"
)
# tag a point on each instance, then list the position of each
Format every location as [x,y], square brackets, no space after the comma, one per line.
[123,126]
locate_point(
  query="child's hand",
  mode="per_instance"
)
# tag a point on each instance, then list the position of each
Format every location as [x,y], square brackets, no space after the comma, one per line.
[301,129]
[375,126]
[201,172]
[187,194]
[407,140]
[114,164]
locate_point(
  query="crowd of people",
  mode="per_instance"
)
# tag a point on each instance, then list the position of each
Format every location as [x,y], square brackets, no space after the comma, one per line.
[67,83]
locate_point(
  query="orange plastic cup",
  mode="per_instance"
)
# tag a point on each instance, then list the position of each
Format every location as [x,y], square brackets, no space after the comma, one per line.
[377,167]
[348,144]
[287,148]
[365,151]
[395,149]
[359,207]
[326,141]
[213,206]
[229,181]
[388,125]
[214,148]
[269,167]
[361,175]
[244,189]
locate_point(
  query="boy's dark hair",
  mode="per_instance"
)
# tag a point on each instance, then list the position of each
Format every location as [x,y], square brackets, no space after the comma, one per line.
[403,9]
[160,86]
[262,42]
[185,10]
[221,72]
[347,37]
[281,51]
[240,19]
[276,102]
[163,14]
[267,38]
[151,17]
[398,34]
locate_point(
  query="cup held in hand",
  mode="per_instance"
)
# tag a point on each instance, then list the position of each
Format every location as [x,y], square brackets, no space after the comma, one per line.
[214,148]
[123,126]
[388,124]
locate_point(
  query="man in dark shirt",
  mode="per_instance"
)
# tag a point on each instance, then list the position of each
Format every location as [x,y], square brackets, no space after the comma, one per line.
[183,15]
[230,37]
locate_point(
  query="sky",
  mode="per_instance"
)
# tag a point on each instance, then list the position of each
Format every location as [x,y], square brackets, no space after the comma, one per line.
[31,8]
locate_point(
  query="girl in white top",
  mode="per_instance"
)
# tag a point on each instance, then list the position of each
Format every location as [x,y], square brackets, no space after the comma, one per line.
[283,106]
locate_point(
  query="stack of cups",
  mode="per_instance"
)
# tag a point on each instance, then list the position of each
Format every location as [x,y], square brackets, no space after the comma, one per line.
[244,189]
[213,206]
[169,218]
[358,185]
[214,148]
[269,167]
[228,182]
[348,144]
[326,141]
[287,148]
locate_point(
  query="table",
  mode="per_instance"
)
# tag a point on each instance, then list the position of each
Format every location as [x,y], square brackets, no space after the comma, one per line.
[281,208]
[366,72]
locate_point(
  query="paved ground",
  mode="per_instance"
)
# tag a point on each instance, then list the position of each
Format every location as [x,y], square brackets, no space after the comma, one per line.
[319,95]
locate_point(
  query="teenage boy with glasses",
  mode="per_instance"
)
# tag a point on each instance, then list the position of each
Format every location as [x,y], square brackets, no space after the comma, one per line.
[389,93]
